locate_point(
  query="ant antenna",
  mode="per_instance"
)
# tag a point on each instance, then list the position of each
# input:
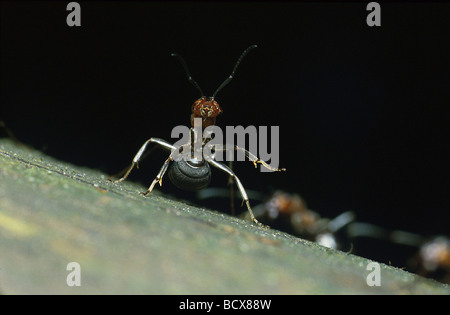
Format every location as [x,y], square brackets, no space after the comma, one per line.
[189,77]
[227,80]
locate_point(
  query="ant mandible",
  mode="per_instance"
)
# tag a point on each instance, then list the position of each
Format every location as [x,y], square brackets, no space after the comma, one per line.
[191,173]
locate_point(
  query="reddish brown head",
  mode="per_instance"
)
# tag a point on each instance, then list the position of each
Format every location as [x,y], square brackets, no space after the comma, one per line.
[207,109]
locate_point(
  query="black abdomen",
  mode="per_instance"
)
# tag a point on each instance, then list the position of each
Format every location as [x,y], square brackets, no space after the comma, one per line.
[188,176]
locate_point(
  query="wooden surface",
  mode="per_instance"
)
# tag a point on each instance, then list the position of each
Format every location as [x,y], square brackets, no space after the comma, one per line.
[53,213]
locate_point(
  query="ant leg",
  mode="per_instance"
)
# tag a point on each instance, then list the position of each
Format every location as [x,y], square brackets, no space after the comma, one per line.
[253,158]
[231,184]
[163,169]
[239,184]
[159,177]
[256,160]
[137,157]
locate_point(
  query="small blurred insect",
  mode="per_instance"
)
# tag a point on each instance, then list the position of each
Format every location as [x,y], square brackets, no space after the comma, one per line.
[192,173]
[433,259]
[432,255]
[289,213]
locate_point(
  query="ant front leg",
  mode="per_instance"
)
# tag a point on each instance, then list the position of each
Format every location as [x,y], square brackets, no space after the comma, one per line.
[159,177]
[239,185]
[253,158]
[165,166]
[166,145]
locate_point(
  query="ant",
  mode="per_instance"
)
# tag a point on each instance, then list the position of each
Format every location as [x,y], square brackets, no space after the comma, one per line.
[288,212]
[433,259]
[291,212]
[432,254]
[191,173]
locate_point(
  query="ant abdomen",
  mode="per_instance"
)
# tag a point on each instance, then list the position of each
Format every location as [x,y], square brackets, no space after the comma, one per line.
[190,176]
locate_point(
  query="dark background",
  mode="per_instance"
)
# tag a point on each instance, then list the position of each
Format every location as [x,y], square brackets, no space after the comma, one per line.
[363,111]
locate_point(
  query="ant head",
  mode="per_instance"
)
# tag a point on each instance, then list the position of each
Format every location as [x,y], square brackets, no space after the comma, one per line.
[206,107]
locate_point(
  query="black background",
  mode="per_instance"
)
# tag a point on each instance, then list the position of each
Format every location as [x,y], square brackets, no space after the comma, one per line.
[363,111]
